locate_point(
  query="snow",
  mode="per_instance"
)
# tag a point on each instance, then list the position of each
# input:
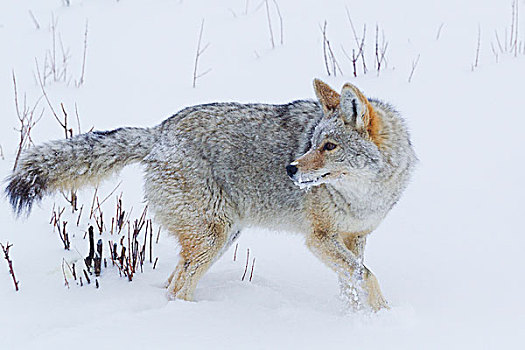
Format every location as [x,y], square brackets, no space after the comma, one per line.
[449,257]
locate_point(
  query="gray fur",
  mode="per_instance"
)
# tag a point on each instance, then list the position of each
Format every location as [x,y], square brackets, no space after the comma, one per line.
[212,170]
[68,164]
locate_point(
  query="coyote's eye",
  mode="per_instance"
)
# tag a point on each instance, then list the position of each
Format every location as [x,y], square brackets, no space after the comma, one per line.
[329,146]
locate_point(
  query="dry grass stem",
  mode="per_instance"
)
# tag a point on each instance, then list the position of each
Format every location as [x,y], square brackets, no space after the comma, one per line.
[414,65]
[35,22]
[27,118]
[476,60]
[198,54]
[82,72]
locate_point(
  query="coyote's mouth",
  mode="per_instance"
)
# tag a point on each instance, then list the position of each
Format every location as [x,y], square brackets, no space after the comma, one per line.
[307,181]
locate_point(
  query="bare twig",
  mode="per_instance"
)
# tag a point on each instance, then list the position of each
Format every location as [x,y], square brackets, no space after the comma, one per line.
[251,272]
[246,266]
[87,277]
[78,119]
[498,42]
[325,55]
[65,60]
[80,214]
[66,283]
[329,56]
[494,52]
[41,83]
[269,23]
[98,258]
[37,25]
[92,210]
[511,44]
[26,117]
[62,233]
[352,59]
[10,263]
[439,31]
[105,198]
[476,60]
[360,43]
[74,272]
[197,56]
[380,50]
[89,259]
[81,80]
[150,241]
[414,65]
[280,21]
[235,252]
[516,21]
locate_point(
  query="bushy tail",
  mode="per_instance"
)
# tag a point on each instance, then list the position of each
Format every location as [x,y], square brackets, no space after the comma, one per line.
[72,163]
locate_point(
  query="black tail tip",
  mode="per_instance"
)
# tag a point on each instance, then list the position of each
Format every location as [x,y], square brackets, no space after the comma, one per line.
[22,193]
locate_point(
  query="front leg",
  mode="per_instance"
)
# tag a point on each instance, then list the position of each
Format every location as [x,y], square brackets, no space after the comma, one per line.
[358,284]
[356,244]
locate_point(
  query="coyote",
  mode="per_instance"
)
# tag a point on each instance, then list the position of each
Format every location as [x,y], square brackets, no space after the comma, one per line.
[330,169]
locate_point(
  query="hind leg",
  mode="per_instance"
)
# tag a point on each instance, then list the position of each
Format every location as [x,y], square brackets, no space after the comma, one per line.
[194,208]
[200,248]
[230,239]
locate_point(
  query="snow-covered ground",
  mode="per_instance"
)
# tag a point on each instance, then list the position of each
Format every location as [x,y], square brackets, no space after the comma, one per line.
[449,257]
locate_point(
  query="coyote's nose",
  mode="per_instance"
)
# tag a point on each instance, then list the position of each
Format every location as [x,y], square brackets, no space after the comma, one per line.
[291,170]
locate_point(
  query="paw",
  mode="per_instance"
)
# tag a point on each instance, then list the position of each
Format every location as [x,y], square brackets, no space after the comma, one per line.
[175,291]
[375,298]
[362,293]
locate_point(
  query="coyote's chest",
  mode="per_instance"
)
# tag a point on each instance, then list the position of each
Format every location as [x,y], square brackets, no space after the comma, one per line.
[348,211]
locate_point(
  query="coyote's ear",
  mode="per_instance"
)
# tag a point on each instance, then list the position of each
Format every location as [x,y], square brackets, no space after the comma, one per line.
[328,98]
[358,112]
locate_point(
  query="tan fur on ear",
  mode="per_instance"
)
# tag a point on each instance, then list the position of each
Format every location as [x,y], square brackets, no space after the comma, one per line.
[372,121]
[328,98]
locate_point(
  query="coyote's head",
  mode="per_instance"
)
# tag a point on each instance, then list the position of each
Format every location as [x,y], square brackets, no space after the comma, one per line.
[344,144]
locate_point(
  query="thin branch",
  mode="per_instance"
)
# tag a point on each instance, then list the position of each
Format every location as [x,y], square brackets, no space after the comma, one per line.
[329,55]
[81,80]
[323,30]
[27,121]
[280,21]
[246,266]
[251,273]
[269,23]
[9,263]
[198,54]
[66,283]
[37,25]
[476,61]
[360,43]
[78,119]
[414,65]
[41,83]
[439,31]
